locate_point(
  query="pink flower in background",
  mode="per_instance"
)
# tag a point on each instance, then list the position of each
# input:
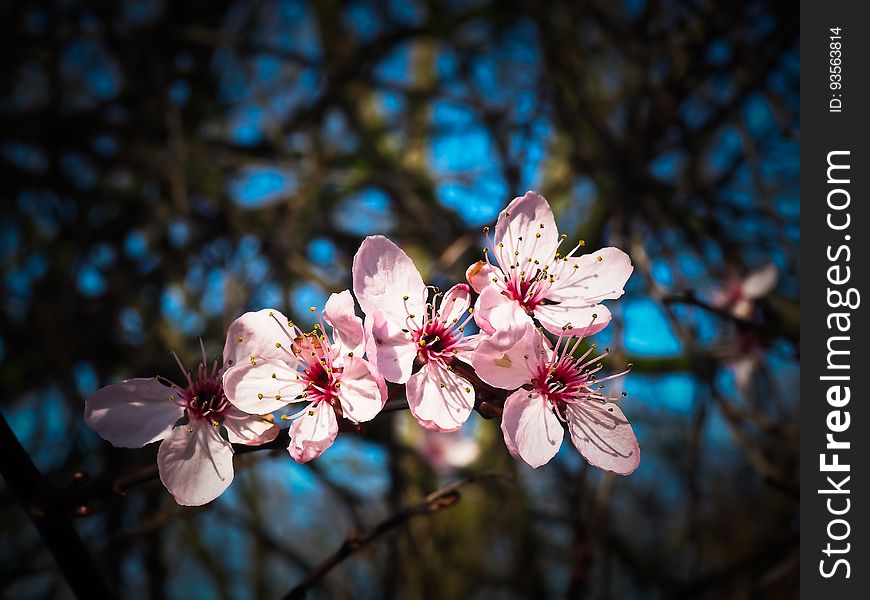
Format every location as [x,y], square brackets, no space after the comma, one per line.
[447,452]
[738,295]
[555,388]
[286,365]
[195,459]
[563,292]
[405,327]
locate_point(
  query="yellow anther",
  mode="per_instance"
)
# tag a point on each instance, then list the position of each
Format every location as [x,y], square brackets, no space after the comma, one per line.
[274,376]
[350,354]
[239,340]
[537,235]
[312,309]
[285,418]
[467,390]
[277,344]
[277,396]
[581,243]
[190,430]
[598,258]
[310,413]
[404,297]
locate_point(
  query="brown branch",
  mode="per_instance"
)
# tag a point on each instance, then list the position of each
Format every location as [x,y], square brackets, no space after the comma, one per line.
[444,497]
[39,499]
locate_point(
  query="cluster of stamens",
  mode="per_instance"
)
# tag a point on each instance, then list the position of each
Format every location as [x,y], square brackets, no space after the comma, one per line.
[314,353]
[437,335]
[528,276]
[563,379]
[203,396]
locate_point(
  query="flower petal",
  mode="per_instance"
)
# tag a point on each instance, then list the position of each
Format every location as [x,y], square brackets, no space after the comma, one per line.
[591,278]
[494,311]
[439,399]
[132,413]
[312,433]
[347,328]
[363,392]
[465,349]
[394,350]
[251,430]
[480,275]
[603,436]
[578,321]
[761,282]
[255,334]
[531,430]
[262,387]
[195,463]
[509,358]
[526,226]
[454,305]
[382,275]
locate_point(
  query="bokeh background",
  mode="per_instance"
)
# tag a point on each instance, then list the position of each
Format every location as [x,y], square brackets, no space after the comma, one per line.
[168,165]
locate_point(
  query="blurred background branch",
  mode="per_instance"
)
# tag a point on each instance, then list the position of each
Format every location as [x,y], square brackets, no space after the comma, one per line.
[168,165]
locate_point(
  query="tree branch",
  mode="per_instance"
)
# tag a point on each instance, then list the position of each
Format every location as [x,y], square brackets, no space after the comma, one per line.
[442,498]
[40,501]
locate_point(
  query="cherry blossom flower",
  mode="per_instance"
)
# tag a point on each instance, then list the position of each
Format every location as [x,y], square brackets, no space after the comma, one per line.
[447,452]
[738,295]
[285,365]
[196,423]
[555,388]
[406,326]
[563,292]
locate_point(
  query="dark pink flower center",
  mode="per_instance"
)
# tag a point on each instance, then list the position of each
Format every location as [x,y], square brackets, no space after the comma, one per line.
[563,383]
[437,341]
[528,291]
[204,399]
[322,380]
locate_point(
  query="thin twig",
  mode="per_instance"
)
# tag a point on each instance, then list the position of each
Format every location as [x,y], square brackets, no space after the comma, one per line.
[444,497]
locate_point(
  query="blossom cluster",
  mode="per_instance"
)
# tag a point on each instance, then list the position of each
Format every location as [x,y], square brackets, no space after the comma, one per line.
[535,302]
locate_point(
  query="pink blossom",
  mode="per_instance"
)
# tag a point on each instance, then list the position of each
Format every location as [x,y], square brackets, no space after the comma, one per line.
[563,292]
[738,295]
[195,458]
[446,452]
[406,326]
[749,356]
[285,365]
[555,388]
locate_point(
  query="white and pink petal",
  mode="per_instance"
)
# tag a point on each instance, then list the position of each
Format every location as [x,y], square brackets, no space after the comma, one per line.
[262,387]
[251,430]
[362,393]
[347,328]
[134,412]
[312,433]
[256,335]
[439,399]
[195,463]
[603,435]
[531,430]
